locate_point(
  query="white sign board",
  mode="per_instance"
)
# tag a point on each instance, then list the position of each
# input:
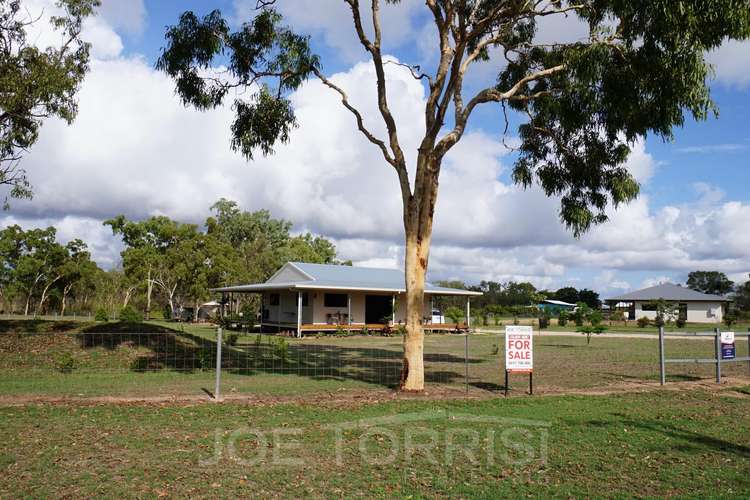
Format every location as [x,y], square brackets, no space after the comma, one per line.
[519,349]
[727,337]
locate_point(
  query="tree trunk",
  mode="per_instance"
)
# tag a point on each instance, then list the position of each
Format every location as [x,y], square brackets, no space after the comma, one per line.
[197,308]
[66,291]
[418,216]
[44,294]
[412,375]
[149,286]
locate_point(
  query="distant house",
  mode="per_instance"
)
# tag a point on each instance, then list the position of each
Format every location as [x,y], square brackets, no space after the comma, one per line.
[555,306]
[694,307]
[318,297]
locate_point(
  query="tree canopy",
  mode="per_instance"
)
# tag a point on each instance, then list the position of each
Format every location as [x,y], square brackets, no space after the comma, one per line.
[36,82]
[713,282]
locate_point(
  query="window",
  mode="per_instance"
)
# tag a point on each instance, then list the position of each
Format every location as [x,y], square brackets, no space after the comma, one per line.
[335,300]
[304,300]
[648,307]
[273,299]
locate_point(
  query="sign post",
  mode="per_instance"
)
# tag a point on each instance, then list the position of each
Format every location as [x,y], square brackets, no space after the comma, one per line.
[519,354]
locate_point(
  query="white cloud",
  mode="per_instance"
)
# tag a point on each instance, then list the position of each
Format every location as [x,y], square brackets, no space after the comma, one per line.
[732,63]
[127,15]
[135,149]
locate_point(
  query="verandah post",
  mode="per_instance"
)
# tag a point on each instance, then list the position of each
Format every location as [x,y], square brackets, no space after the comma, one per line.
[299,314]
[468,313]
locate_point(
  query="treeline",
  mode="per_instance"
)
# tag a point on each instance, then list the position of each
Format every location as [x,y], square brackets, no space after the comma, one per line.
[167,266]
[514,298]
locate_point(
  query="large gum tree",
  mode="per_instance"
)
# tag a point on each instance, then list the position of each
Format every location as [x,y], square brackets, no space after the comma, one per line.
[641,70]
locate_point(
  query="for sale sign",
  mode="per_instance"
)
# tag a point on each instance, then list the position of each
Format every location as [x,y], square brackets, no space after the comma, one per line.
[727,345]
[519,349]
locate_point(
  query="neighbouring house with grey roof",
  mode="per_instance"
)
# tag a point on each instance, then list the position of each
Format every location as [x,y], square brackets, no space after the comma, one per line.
[694,307]
[319,297]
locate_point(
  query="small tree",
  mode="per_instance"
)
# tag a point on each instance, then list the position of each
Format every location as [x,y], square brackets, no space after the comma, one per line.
[730,318]
[666,312]
[562,319]
[455,314]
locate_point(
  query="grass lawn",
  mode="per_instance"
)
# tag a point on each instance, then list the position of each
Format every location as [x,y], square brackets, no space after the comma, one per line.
[660,443]
[169,363]
[617,327]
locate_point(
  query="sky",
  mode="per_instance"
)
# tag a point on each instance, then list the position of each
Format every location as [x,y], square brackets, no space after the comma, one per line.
[134,149]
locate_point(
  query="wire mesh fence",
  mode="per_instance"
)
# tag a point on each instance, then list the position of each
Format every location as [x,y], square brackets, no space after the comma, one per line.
[170,362]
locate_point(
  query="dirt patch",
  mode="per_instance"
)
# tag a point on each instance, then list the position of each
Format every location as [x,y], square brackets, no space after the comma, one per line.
[735,387]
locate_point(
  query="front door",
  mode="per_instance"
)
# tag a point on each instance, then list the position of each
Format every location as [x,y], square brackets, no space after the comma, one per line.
[378,309]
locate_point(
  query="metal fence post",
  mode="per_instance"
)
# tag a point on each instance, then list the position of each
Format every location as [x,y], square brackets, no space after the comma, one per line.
[717,352]
[217,391]
[662,374]
[466,361]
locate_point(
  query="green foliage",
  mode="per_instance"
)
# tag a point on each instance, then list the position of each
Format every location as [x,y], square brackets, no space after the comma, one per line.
[66,363]
[712,282]
[263,57]
[617,316]
[101,315]
[666,312]
[231,339]
[37,83]
[680,322]
[591,330]
[595,317]
[281,349]
[130,315]
[562,318]
[643,322]
[203,358]
[543,321]
[455,314]
[730,318]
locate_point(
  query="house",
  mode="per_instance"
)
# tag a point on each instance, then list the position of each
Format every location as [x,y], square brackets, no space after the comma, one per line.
[319,297]
[555,306]
[693,307]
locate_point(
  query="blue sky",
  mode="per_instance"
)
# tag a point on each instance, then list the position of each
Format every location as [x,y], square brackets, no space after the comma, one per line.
[134,149]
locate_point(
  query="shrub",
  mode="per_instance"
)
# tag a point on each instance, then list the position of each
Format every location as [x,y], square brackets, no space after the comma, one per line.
[281,349]
[130,315]
[495,349]
[365,331]
[643,322]
[515,320]
[167,313]
[231,339]
[562,320]
[617,316]
[101,315]
[680,322]
[595,317]
[591,330]
[66,363]
[455,314]
[543,321]
[203,359]
[730,318]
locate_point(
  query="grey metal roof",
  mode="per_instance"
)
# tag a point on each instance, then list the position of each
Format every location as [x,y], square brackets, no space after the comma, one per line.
[668,291]
[332,277]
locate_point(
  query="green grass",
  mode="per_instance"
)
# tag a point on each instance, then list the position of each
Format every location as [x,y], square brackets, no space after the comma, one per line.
[662,443]
[617,327]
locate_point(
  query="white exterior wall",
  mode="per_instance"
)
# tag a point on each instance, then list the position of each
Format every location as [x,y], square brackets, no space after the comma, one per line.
[316,313]
[697,312]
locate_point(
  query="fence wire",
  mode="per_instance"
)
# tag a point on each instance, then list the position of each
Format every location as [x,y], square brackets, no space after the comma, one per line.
[252,362]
